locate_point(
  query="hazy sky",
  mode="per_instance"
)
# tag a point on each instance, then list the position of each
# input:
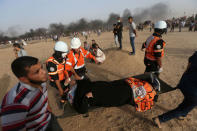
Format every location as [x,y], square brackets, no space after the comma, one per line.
[26,14]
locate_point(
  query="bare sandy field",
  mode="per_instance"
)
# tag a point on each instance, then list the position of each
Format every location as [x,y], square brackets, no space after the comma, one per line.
[118,64]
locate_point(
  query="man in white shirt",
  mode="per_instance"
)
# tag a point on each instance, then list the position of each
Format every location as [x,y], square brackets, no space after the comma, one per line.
[132,34]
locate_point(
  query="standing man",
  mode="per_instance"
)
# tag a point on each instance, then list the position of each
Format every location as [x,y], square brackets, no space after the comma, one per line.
[188,87]
[180,25]
[55,65]
[26,106]
[19,50]
[119,31]
[76,59]
[172,26]
[132,34]
[115,35]
[155,49]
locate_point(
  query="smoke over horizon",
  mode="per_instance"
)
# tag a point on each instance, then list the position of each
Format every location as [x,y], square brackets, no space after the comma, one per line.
[156,12]
[14,31]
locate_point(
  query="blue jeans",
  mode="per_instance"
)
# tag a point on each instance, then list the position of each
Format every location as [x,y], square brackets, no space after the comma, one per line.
[132,44]
[183,109]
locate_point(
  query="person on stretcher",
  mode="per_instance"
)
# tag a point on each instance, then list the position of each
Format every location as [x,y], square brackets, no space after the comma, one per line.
[140,93]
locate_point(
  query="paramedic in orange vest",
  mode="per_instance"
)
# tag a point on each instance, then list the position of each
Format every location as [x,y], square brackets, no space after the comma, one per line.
[138,92]
[155,49]
[76,58]
[56,69]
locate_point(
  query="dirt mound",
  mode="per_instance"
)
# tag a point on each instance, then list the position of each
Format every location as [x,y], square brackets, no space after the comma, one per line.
[118,64]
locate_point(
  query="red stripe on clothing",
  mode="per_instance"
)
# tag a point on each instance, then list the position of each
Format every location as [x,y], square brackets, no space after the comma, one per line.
[41,126]
[20,95]
[44,119]
[44,102]
[13,126]
[34,118]
[14,107]
[35,99]
[4,100]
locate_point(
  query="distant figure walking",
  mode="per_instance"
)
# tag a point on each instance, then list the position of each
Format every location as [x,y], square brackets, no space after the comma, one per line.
[191,25]
[195,27]
[132,34]
[119,31]
[172,26]
[115,31]
[180,25]
[19,50]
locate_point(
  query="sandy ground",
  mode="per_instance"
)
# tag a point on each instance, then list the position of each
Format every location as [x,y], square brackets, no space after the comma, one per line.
[118,64]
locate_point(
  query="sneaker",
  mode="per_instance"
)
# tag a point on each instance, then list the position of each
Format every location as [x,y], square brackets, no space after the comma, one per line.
[131,53]
[86,115]
[157,122]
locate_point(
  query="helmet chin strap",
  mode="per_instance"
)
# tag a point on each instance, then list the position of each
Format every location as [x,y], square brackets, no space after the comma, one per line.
[64,54]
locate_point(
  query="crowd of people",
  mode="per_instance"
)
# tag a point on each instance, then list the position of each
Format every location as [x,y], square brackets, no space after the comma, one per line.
[26,106]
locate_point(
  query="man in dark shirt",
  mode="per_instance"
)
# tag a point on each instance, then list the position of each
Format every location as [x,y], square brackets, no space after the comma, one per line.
[188,86]
[119,31]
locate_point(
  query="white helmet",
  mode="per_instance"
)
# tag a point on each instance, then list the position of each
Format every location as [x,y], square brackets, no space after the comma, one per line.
[160,25]
[61,46]
[75,43]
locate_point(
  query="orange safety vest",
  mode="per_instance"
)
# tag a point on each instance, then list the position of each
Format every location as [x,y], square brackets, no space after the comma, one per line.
[143,94]
[77,61]
[149,44]
[60,69]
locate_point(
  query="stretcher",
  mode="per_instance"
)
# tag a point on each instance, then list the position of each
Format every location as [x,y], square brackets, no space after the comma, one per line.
[70,111]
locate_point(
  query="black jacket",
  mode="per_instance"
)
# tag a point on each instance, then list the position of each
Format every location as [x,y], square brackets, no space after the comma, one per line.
[105,94]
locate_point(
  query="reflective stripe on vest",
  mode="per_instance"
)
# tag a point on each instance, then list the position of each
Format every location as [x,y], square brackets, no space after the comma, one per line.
[76,61]
[60,69]
[143,94]
[83,54]
[150,42]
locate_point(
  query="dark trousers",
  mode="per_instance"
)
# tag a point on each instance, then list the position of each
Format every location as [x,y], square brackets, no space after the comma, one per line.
[81,72]
[151,66]
[183,109]
[120,40]
[132,42]
[53,124]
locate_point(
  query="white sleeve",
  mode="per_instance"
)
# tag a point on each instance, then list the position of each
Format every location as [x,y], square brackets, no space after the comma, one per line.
[99,53]
[134,26]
